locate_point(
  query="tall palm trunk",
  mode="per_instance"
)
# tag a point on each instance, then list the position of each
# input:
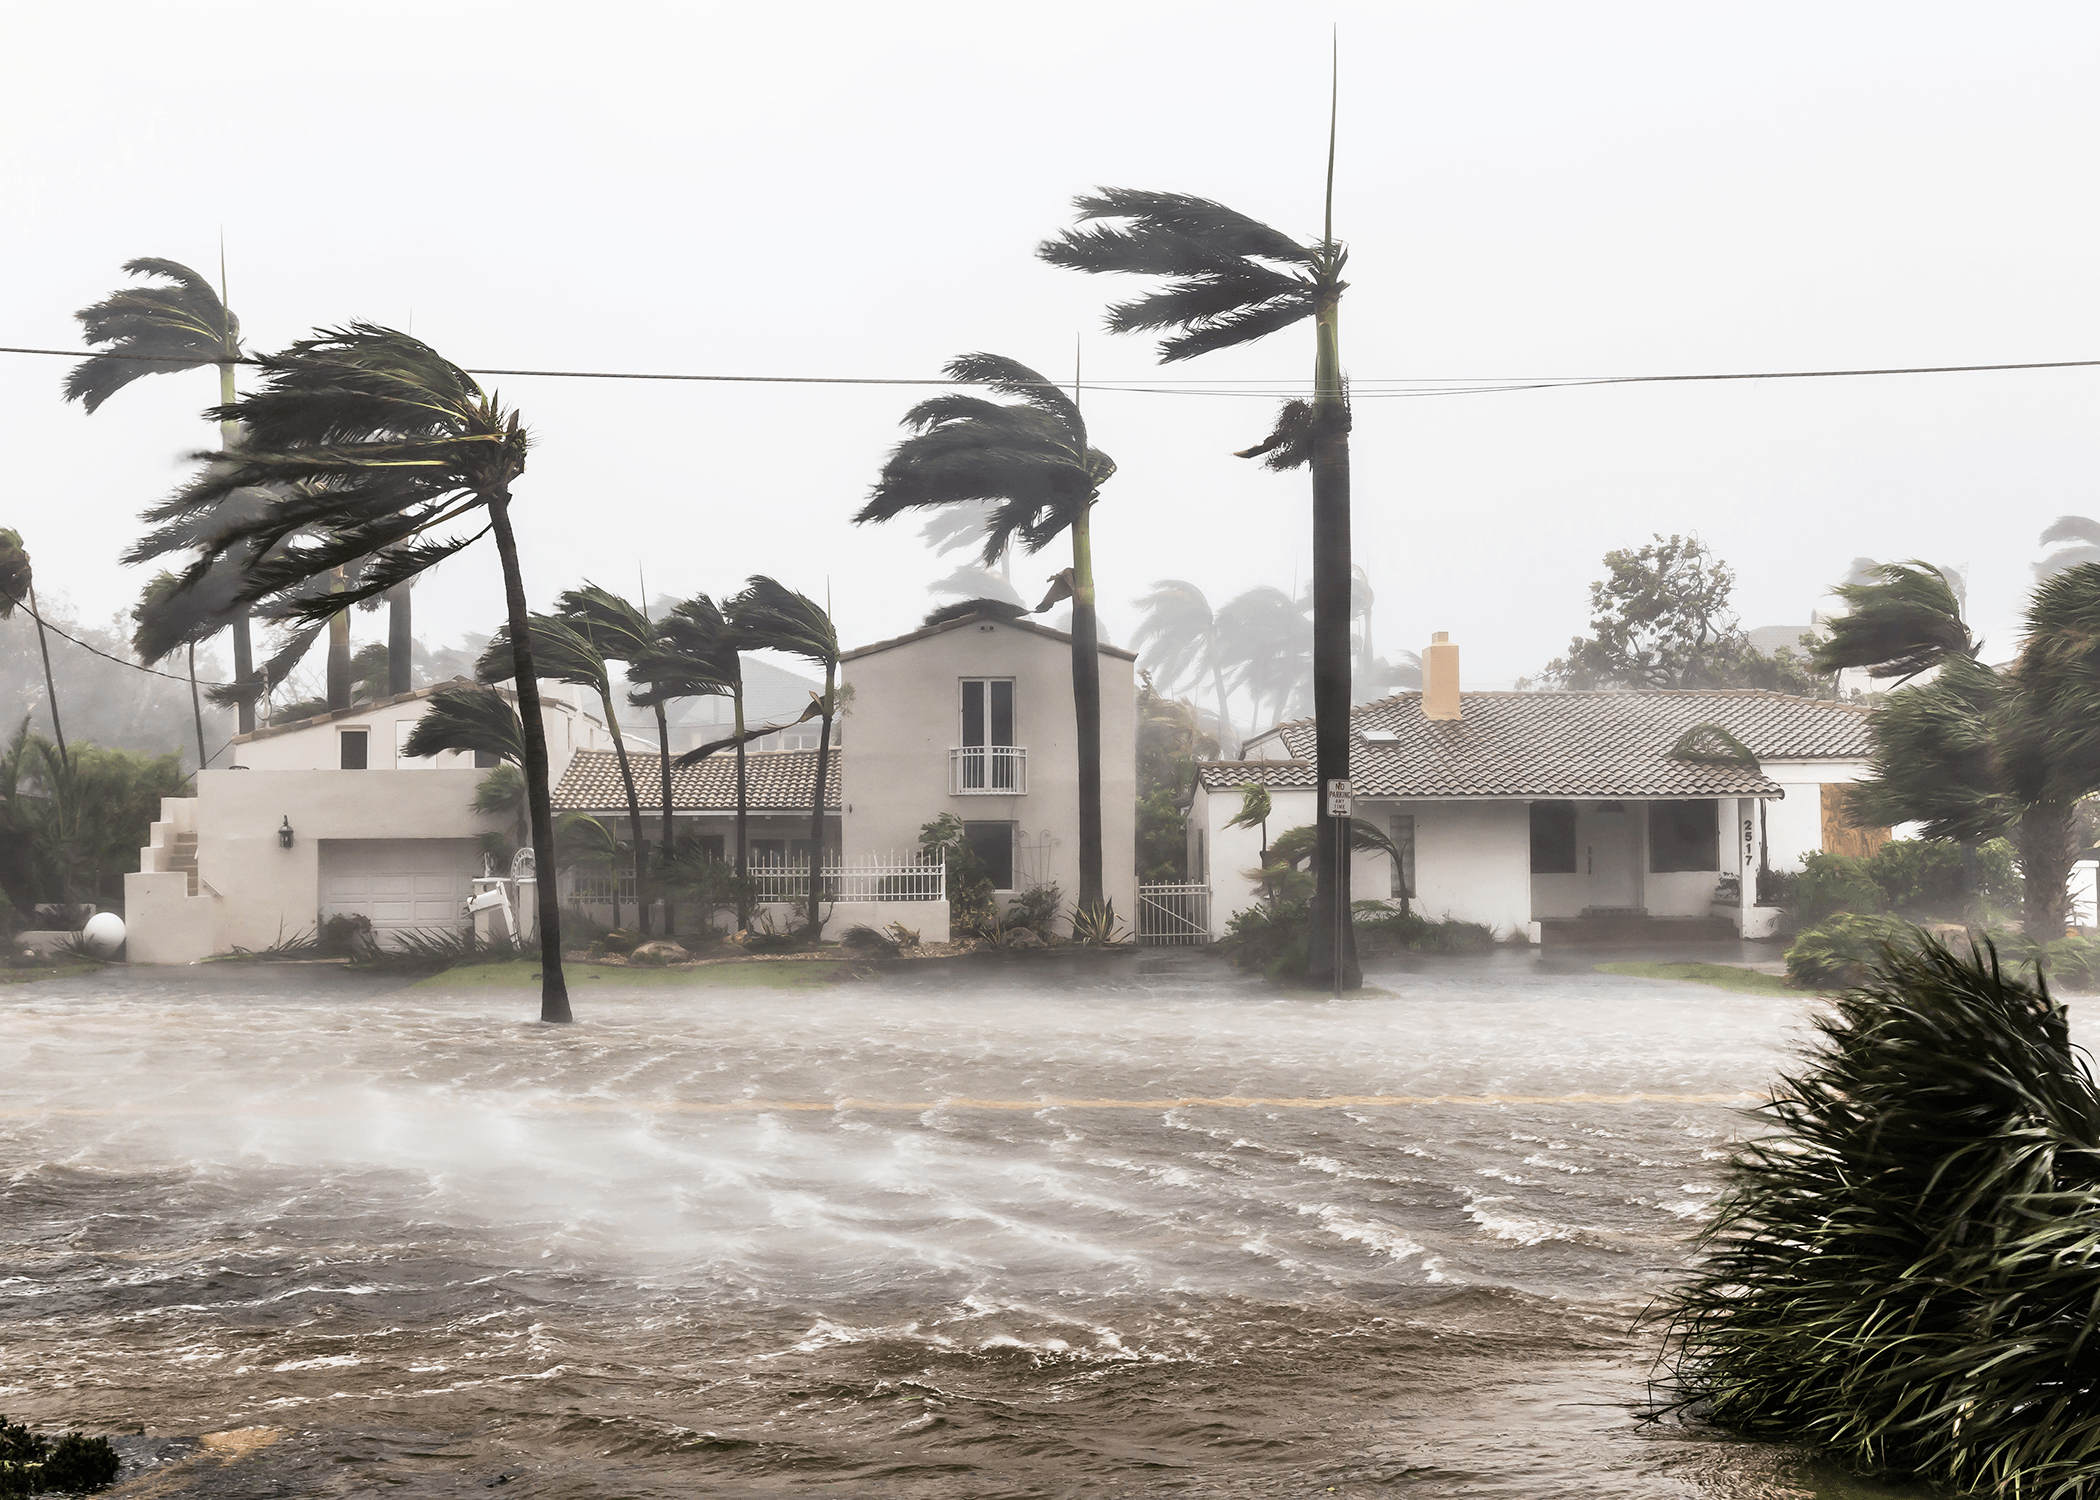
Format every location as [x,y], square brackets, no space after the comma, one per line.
[816,806]
[197,710]
[634,820]
[243,640]
[2048,845]
[1331,950]
[1086,705]
[554,989]
[58,731]
[1228,747]
[401,643]
[743,814]
[338,652]
[668,850]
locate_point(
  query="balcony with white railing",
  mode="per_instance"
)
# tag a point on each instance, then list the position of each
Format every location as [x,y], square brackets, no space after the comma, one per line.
[988,771]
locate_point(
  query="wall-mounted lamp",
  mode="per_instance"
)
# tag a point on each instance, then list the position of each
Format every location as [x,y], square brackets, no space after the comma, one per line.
[284,834]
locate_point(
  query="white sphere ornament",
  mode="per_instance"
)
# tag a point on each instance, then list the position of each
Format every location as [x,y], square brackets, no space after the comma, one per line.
[104,933]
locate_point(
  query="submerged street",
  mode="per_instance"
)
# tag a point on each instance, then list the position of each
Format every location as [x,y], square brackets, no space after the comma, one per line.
[1133,1228]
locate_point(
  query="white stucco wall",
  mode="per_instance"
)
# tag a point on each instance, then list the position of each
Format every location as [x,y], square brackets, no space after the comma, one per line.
[1794,823]
[905,719]
[569,714]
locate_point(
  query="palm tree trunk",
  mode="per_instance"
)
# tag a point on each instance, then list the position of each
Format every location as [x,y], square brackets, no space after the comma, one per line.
[743,840]
[634,820]
[58,731]
[668,849]
[2048,846]
[338,652]
[197,710]
[1086,706]
[554,989]
[401,644]
[812,919]
[243,639]
[1331,949]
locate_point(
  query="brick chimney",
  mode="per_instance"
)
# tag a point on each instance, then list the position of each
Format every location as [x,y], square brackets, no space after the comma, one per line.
[1440,678]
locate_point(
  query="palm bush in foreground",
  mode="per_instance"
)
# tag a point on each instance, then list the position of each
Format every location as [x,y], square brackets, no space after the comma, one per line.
[1905,1273]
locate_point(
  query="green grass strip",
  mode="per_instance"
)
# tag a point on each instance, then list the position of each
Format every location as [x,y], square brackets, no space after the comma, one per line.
[1721,976]
[518,974]
[56,971]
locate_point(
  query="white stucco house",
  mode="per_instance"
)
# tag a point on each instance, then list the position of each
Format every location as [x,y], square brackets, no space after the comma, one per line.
[971,716]
[1534,812]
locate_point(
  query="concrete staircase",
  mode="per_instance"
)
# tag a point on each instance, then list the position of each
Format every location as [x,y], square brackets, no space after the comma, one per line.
[1629,930]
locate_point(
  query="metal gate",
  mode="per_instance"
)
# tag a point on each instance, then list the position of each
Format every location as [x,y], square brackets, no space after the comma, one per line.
[1173,914]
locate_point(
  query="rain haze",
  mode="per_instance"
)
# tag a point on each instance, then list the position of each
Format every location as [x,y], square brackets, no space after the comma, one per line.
[1525,190]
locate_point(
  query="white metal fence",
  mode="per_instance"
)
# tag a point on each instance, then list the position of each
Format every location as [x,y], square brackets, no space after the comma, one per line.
[988,771]
[857,880]
[1173,915]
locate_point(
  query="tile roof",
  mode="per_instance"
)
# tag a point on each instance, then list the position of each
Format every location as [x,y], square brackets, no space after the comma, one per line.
[1566,744]
[775,780]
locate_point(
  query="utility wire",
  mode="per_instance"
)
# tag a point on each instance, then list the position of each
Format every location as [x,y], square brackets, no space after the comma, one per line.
[1362,388]
[23,606]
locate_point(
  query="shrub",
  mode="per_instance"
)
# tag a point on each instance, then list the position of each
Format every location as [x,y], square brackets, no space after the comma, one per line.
[74,1464]
[971,909]
[1035,908]
[861,938]
[1902,1274]
[1831,883]
[1839,951]
[1384,929]
[1269,939]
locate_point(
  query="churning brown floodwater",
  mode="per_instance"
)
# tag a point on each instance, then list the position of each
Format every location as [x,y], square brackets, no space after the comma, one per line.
[836,1241]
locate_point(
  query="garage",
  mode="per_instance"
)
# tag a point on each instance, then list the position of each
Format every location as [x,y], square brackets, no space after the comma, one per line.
[399,883]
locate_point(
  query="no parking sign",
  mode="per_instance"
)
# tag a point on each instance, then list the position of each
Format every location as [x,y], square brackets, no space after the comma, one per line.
[1341,798]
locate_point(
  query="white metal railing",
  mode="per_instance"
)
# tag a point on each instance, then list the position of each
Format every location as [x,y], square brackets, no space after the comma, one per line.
[988,771]
[1173,914]
[856,880]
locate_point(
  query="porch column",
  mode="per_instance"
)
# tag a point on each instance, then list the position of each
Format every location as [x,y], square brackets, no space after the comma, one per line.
[1748,853]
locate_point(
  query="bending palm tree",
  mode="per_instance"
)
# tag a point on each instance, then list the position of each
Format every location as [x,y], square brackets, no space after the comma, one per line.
[619,631]
[18,583]
[389,441]
[1263,636]
[1033,461]
[774,617]
[693,654]
[564,654]
[1234,280]
[1178,638]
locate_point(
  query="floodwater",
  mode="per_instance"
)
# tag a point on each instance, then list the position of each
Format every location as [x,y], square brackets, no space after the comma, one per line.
[1130,1229]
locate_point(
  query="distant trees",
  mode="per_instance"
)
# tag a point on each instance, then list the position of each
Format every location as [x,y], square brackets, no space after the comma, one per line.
[1662,618]
[71,825]
[17,584]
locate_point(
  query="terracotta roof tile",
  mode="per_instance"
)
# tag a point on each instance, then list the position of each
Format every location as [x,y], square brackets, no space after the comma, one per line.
[1566,744]
[775,780]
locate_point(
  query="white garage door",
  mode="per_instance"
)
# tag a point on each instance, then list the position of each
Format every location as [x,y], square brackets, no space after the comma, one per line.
[398,883]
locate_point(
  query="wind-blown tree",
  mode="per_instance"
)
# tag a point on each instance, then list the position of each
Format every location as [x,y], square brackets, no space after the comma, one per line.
[692,653]
[153,330]
[17,584]
[1032,461]
[1178,639]
[1231,280]
[373,441]
[773,617]
[564,654]
[1974,753]
[2081,532]
[1266,643]
[619,631]
[971,582]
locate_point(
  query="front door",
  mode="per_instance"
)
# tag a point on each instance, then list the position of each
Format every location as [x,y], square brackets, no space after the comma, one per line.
[1611,857]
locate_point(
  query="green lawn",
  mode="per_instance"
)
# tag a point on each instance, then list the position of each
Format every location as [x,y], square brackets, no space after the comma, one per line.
[524,973]
[55,971]
[1722,976]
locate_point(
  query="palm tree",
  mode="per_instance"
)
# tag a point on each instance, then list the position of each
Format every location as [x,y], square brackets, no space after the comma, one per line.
[774,617]
[1033,462]
[563,653]
[1266,646]
[620,631]
[152,330]
[692,653]
[390,441]
[1975,753]
[1232,280]
[17,583]
[156,617]
[1178,638]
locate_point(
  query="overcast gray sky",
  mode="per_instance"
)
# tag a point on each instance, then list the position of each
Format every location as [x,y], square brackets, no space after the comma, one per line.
[1527,189]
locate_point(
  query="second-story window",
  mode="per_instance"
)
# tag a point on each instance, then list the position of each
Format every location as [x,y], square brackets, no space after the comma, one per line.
[987,762]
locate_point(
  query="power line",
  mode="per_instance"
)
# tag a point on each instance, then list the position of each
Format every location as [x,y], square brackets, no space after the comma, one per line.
[98,651]
[1162,385]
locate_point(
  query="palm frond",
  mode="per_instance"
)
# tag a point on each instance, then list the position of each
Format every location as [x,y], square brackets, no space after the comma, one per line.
[291,649]
[1233,329]
[1177,634]
[698,753]
[616,628]
[692,654]
[472,718]
[560,653]
[15,573]
[1906,621]
[770,616]
[1203,221]
[161,328]
[1934,760]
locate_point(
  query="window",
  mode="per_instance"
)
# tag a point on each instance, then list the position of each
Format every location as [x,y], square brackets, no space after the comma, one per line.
[1553,838]
[1683,836]
[1401,826]
[356,747]
[987,711]
[993,843]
